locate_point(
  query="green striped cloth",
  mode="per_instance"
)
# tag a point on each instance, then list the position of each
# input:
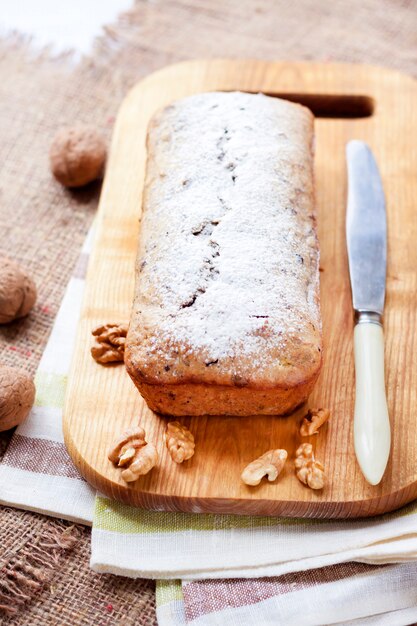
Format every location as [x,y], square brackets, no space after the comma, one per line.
[154,544]
[219,567]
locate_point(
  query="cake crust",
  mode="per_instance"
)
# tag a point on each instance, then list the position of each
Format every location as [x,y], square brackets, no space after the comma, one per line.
[226,317]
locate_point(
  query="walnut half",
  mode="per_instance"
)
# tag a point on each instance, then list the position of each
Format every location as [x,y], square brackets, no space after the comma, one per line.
[269,464]
[110,343]
[141,463]
[132,452]
[309,471]
[313,420]
[180,442]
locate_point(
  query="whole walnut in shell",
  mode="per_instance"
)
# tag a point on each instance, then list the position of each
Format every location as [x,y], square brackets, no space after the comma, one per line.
[17,291]
[77,156]
[17,395]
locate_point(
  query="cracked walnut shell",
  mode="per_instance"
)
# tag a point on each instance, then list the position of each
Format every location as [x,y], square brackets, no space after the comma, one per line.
[77,156]
[313,420]
[17,291]
[308,471]
[17,395]
[110,343]
[180,442]
[269,464]
[134,454]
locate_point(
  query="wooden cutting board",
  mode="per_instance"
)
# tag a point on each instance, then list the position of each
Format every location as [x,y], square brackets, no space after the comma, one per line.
[373,104]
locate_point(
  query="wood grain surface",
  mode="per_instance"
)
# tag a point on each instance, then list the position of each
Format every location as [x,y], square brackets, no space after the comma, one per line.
[362,102]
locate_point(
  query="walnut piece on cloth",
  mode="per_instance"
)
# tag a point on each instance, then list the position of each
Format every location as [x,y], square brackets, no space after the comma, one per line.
[77,156]
[180,442]
[269,464]
[110,343]
[17,291]
[17,395]
[313,420]
[307,469]
[132,452]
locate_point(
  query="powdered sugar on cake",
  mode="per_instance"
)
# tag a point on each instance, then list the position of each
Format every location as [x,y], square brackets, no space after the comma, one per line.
[227,267]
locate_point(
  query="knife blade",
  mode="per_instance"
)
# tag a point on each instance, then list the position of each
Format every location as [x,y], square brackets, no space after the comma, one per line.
[366,235]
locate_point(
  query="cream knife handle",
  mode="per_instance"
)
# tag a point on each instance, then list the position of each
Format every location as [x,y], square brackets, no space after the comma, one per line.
[372,433]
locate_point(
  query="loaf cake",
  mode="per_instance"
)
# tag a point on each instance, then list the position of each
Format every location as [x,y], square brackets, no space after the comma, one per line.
[226,317]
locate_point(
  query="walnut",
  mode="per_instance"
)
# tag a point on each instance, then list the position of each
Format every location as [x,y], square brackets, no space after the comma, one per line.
[269,464]
[110,343]
[17,291]
[132,452]
[180,442]
[308,470]
[77,156]
[313,420]
[17,395]
[142,463]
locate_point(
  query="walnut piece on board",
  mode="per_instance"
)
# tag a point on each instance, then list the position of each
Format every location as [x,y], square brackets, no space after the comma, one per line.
[307,469]
[180,442]
[269,464]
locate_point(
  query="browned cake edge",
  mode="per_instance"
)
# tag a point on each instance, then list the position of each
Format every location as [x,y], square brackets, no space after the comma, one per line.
[202,399]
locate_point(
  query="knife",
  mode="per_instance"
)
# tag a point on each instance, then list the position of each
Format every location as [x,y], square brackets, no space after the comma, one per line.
[366,234]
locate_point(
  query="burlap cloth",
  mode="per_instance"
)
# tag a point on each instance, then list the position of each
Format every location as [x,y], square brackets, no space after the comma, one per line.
[43,225]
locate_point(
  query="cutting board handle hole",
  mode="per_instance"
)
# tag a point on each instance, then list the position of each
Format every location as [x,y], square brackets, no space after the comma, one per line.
[328,105]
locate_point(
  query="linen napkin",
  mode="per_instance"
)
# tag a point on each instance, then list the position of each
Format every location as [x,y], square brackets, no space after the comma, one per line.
[310,577]
[350,593]
[152,544]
